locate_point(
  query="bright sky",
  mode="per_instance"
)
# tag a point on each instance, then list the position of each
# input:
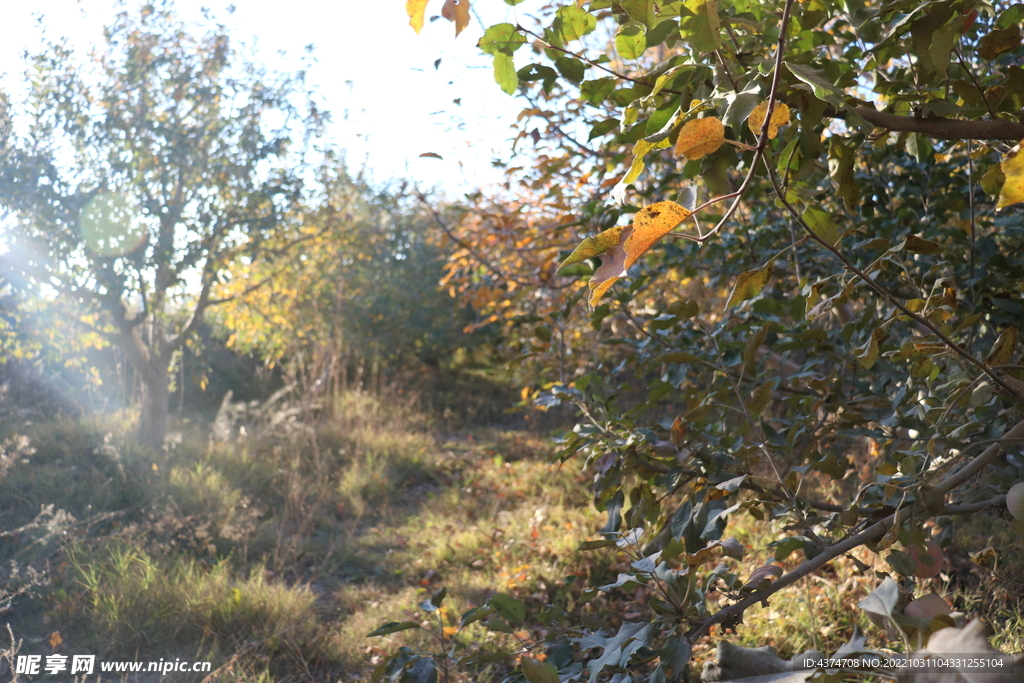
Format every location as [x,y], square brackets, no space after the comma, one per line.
[373,72]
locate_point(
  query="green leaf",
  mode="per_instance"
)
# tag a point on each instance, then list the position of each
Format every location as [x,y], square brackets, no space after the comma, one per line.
[631,41]
[505,73]
[642,11]
[572,23]
[594,545]
[840,166]
[919,245]
[901,562]
[438,597]
[496,624]
[423,670]
[821,224]
[393,627]
[508,607]
[501,39]
[820,85]
[572,69]
[702,29]
[593,246]
[538,672]
[603,128]
[749,284]
[474,615]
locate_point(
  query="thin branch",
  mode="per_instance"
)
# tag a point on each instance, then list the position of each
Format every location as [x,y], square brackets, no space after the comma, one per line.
[736,609]
[954,479]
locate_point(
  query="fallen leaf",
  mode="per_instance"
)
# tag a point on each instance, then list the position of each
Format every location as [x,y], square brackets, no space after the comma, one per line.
[432,155]
[700,137]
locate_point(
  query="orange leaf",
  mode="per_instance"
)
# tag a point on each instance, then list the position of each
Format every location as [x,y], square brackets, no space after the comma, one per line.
[700,137]
[780,117]
[650,225]
[457,11]
[415,9]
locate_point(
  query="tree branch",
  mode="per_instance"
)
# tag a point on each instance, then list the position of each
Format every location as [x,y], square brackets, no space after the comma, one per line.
[942,129]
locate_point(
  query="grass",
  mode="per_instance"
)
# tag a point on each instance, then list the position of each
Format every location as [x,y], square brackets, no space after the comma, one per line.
[273,554]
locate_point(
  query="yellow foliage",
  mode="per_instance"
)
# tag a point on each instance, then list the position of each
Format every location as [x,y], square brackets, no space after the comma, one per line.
[700,137]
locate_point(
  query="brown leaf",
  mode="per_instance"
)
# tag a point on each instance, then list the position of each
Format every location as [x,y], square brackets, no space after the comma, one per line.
[780,117]
[457,11]
[700,137]
[613,266]
[432,155]
[999,41]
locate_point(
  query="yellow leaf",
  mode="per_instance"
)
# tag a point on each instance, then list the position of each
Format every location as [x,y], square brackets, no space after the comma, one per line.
[594,246]
[415,9]
[700,137]
[1002,350]
[749,285]
[650,225]
[457,11]
[780,117]
[1013,169]
[613,266]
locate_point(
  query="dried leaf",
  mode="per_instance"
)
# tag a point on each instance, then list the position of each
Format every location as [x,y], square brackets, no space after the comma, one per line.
[432,155]
[457,11]
[780,117]
[1012,167]
[999,41]
[700,137]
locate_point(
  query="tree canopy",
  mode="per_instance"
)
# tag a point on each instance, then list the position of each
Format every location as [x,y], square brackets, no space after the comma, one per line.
[134,181]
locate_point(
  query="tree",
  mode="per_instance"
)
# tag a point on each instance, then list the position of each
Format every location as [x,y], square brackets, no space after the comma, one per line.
[815,207]
[135,181]
[363,292]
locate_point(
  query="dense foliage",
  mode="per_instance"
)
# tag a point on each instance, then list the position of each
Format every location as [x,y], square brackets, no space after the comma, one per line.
[806,307]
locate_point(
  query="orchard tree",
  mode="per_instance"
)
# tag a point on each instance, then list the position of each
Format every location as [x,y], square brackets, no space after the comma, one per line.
[132,180]
[794,292]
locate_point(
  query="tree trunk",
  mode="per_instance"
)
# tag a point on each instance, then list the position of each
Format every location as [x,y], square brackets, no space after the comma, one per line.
[155,407]
[152,373]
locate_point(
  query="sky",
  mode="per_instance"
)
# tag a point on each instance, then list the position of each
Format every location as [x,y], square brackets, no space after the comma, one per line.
[378,78]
